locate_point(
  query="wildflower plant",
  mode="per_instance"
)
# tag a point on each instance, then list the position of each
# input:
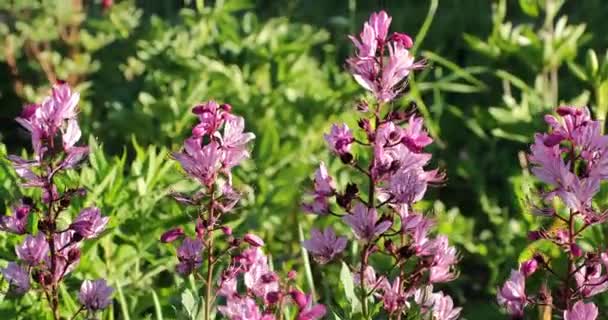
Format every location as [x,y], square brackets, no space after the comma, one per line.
[50,246]
[388,151]
[571,161]
[236,276]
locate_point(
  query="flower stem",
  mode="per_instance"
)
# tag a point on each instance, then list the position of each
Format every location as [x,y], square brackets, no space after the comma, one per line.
[210,261]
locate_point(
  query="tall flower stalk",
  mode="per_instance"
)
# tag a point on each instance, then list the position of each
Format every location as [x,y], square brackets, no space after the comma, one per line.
[211,252]
[572,161]
[388,150]
[51,249]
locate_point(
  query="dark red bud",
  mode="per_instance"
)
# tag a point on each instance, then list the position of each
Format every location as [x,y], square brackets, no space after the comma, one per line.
[73,255]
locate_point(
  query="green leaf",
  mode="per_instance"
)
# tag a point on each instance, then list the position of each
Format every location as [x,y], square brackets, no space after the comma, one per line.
[32,223]
[529,7]
[346,278]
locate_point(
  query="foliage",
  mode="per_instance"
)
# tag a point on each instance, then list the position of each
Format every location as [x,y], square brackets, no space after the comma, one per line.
[141,65]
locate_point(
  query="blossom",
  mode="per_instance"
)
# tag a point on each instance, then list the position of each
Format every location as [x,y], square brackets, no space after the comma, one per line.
[512,295]
[189,255]
[407,185]
[339,139]
[258,277]
[234,141]
[319,205]
[324,185]
[89,223]
[393,298]
[95,295]
[210,115]
[324,245]
[17,222]
[17,277]
[364,222]
[201,163]
[242,309]
[308,310]
[443,307]
[581,311]
[414,136]
[590,280]
[33,249]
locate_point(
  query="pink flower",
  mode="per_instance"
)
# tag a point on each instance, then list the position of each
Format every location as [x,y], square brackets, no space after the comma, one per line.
[403,39]
[324,185]
[365,224]
[407,185]
[398,67]
[308,310]
[189,256]
[242,309]
[253,240]
[201,163]
[172,235]
[258,277]
[548,164]
[17,222]
[581,311]
[590,280]
[414,136]
[324,245]
[393,298]
[443,307]
[210,116]
[319,205]
[89,223]
[339,139]
[33,249]
[512,295]
[95,295]
[234,141]
[17,277]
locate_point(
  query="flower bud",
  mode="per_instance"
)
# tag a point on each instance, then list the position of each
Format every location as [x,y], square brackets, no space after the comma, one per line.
[528,267]
[227,230]
[346,157]
[171,235]
[576,250]
[270,277]
[253,240]
[299,298]
[73,255]
[226,107]
[291,275]
[273,297]
[403,39]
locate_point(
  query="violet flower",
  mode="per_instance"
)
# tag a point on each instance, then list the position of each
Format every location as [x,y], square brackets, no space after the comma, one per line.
[189,255]
[581,311]
[17,277]
[89,223]
[443,307]
[95,295]
[33,249]
[512,295]
[365,224]
[339,139]
[324,245]
[17,222]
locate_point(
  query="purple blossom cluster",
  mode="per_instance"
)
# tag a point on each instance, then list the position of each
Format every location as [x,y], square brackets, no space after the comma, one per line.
[390,155]
[48,253]
[572,160]
[212,253]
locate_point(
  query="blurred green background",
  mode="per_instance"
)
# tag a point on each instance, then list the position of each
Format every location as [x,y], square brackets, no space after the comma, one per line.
[495,68]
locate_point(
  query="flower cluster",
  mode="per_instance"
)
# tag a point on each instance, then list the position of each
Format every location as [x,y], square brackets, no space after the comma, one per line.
[218,143]
[572,160]
[392,159]
[49,253]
